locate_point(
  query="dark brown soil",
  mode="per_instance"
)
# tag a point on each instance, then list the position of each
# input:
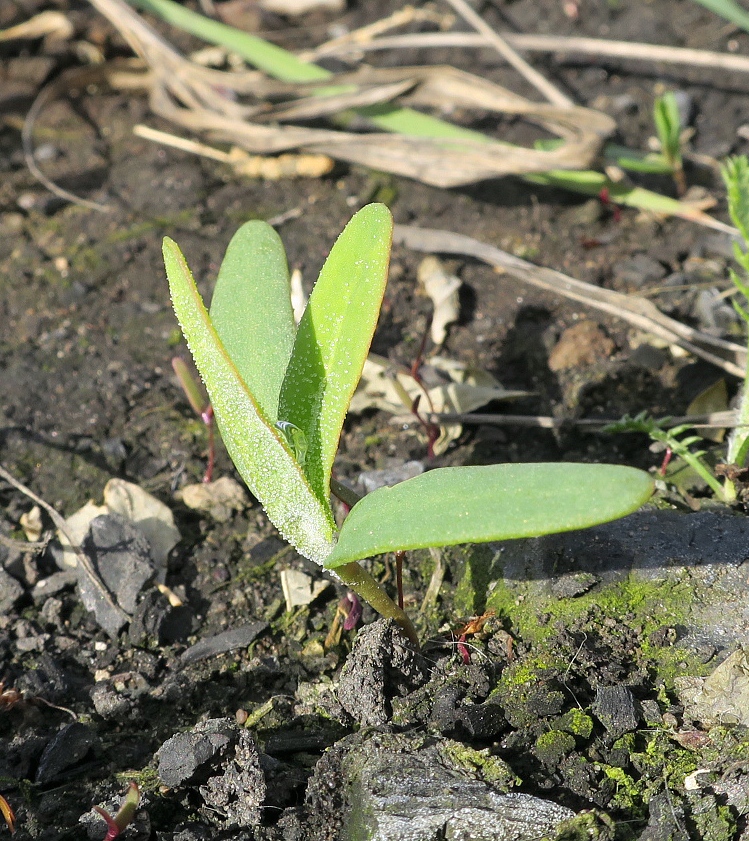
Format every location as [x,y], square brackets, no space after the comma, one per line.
[87,336]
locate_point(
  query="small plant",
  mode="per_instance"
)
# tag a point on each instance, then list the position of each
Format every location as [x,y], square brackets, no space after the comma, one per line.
[735,174]
[668,126]
[125,814]
[674,441]
[280,396]
[200,405]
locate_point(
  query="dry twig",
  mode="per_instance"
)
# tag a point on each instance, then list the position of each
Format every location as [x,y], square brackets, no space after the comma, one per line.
[561,44]
[637,311]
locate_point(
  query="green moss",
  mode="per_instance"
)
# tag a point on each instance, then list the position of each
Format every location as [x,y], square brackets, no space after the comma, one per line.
[576,722]
[627,793]
[477,568]
[481,764]
[587,826]
[146,779]
[526,694]
[551,747]
[711,822]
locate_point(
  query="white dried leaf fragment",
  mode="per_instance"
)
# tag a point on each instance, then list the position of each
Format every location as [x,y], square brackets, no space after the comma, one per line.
[219,498]
[154,519]
[443,289]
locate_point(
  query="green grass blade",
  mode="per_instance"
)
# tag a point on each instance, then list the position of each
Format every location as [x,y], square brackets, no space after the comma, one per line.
[633,160]
[333,339]
[251,311]
[259,451]
[273,60]
[285,66]
[728,9]
[478,504]
[590,183]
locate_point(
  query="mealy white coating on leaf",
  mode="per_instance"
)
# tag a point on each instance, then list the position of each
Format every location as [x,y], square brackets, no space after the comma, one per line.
[333,338]
[260,453]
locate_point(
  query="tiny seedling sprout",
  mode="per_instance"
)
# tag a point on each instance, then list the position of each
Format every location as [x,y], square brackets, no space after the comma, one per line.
[280,394]
[667,121]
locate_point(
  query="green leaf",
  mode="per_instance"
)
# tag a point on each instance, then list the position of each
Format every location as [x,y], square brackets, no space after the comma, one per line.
[730,10]
[251,311]
[260,452]
[478,504]
[668,126]
[735,172]
[333,339]
[275,61]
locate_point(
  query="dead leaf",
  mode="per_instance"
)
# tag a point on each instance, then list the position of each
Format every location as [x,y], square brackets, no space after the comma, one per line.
[443,290]
[723,696]
[77,526]
[149,514]
[299,588]
[713,399]
[31,523]
[154,519]
[447,386]
[219,498]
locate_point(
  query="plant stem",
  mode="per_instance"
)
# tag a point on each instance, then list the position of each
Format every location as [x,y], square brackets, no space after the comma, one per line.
[702,470]
[368,588]
[739,439]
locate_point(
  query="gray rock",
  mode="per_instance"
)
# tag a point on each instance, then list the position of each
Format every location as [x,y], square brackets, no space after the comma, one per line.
[122,557]
[614,707]
[410,787]
[370,480]
[53,584]
[639,271]
[188,756]
[10,591]
[707,550]
[66,750]
[225,641]
[225,761]
[665,821]
[109,703]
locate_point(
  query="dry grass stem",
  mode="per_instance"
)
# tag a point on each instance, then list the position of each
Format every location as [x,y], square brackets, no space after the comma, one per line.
[191,96]
[500,44]
[651,53]
[637,311]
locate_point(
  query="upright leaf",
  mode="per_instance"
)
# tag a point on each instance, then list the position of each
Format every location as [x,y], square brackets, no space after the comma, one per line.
[251,311]
[259,450]
[334,337]
[478,504]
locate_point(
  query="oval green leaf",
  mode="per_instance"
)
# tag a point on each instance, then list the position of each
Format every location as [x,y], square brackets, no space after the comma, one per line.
[259,451]
[333,339]
[478,504]
[251,311]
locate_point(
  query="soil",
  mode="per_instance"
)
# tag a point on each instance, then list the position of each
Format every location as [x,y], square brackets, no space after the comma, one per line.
[582,707]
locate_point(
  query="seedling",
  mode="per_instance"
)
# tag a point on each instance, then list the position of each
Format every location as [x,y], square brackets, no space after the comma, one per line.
[280,396]
[735,174]
[668,125]
[124,816]
[675,441]
[200,405]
